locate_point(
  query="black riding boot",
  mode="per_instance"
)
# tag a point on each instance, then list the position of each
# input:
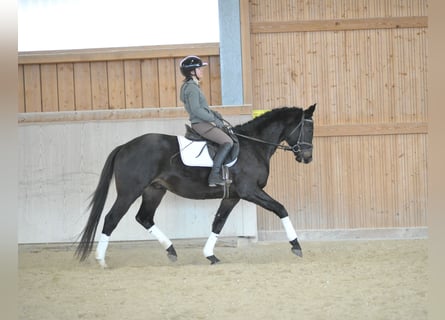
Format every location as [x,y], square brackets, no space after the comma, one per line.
[215,177]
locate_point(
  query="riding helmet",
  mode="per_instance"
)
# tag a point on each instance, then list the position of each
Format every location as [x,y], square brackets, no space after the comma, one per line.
[189,64]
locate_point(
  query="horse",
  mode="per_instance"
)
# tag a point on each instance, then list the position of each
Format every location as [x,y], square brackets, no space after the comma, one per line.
[149,166]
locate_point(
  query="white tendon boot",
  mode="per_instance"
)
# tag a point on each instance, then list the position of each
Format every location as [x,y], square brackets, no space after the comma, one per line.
[290,231]
[292,236]
[164,241]
[209,246]
[101,249]
[160,236]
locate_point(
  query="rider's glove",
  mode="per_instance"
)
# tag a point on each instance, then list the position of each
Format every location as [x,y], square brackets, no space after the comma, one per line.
[217,115]
[218,122]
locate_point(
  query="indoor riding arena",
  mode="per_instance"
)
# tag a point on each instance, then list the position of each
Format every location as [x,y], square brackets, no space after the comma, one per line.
[359,209]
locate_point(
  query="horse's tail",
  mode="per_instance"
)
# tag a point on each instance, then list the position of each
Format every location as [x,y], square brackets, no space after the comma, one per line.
[97,205]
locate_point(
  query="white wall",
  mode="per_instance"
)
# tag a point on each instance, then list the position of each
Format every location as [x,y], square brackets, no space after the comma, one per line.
[59,167]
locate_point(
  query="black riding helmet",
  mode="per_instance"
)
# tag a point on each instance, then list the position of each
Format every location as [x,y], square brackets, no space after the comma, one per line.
[190,63]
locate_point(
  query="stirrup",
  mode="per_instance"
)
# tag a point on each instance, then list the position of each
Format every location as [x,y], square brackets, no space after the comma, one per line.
[219,182]
[216,179]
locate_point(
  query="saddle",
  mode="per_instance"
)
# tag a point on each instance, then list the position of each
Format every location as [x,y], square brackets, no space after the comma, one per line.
[212,147]
[196,151]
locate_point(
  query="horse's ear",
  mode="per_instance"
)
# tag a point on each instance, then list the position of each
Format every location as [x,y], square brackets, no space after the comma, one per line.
[309,111]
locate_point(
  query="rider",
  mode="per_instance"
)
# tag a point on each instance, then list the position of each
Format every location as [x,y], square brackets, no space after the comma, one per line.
[206,122]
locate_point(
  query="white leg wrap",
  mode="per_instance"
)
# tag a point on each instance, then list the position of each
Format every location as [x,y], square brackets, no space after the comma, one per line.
[210,244]
[102,246]
[290,231]
[162,238]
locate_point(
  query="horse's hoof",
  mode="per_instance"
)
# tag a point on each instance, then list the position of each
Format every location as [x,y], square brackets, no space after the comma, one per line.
[102,263]
[172,257]
[297,252]
[171,254]
[296,248]
[213,259]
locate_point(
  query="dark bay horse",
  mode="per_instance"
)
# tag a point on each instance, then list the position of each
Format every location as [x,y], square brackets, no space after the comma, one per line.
[149,165]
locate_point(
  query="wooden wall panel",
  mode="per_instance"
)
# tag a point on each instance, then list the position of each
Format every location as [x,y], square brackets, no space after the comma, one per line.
[99,85]
[150,83]
[32,84]
[133,84]
[21,90]
[179,80]
[294,10]
[65,84]
[364,63]
[50,92]
[353,182]
[167,82]
[357,76]
[116,84]
[82,86]
[125,78]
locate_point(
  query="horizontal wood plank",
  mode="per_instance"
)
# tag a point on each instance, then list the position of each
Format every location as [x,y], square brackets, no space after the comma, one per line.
[123,114]
[320,131]
[339,24]
[370,129]
[109,54]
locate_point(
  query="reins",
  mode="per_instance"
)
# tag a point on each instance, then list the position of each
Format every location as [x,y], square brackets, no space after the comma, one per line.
[293,148]
[279,146]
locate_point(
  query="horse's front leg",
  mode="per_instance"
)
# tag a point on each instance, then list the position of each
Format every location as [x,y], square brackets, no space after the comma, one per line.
[262,199]
[221,216]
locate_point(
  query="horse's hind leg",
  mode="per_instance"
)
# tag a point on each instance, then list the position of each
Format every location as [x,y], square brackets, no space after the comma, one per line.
[225,208]
[117,211]
[151,198]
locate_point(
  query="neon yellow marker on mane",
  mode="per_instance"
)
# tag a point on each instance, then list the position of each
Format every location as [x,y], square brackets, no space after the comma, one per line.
[258,112]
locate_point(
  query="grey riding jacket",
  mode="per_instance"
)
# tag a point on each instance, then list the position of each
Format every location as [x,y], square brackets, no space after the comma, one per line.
[195,103]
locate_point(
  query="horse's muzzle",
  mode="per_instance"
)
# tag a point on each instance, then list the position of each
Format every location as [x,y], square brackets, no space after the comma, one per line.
[304,156]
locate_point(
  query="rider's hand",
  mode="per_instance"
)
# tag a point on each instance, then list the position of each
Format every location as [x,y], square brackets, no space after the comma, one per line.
[217,114]
[218,122]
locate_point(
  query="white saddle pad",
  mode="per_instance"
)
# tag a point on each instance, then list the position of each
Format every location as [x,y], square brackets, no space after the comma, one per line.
[196,154]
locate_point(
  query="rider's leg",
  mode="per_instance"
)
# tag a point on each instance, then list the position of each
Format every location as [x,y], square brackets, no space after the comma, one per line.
[212,133]
[215,176]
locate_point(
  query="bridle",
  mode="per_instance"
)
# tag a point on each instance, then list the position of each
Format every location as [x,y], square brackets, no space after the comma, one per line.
[297,148]
[301,145]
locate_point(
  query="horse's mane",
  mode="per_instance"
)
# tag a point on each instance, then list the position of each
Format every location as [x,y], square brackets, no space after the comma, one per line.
[284,113]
